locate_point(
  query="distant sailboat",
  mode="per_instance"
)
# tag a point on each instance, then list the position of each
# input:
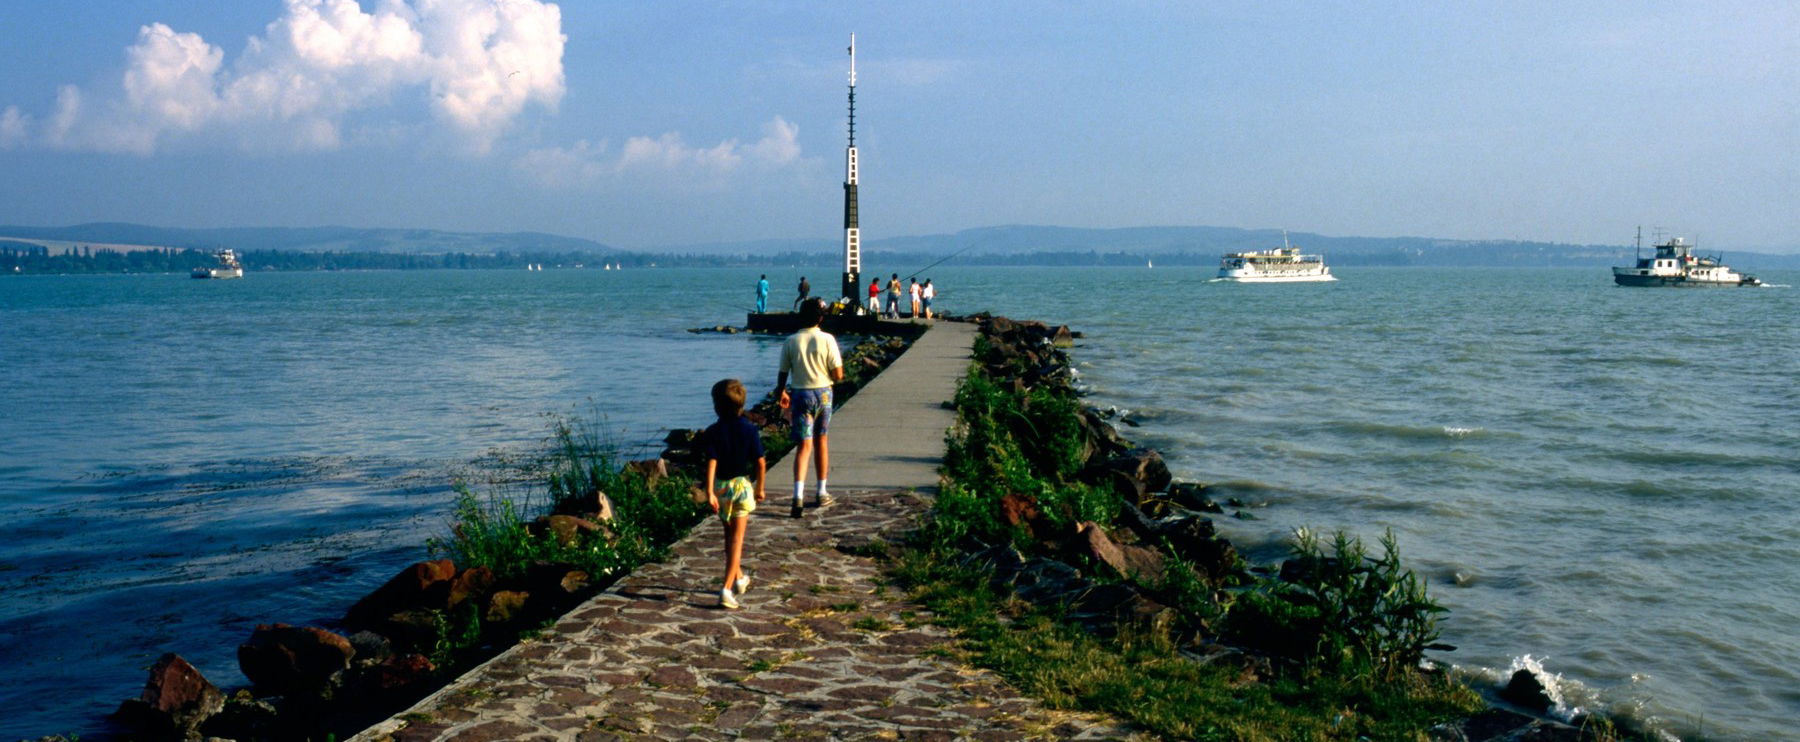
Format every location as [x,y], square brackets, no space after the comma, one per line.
[1149,264]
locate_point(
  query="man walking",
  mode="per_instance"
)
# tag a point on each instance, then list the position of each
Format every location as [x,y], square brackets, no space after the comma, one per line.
[811,357]
[762,294]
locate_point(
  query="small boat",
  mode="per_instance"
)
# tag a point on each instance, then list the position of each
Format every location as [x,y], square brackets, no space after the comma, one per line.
[1675,264]
[228,267]
[1283,264]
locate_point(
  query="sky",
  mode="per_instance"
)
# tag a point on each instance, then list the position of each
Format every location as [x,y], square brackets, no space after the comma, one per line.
[647,125]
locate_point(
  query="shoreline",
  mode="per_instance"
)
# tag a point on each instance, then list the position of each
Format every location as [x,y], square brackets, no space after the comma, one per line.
[1140,479]
[339,677]
[673,447]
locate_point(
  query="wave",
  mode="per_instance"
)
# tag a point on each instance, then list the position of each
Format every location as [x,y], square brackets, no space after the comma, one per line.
[1571,700]
[1411,432]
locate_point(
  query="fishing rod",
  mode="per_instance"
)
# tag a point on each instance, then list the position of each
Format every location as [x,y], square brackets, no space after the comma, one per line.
[915,274]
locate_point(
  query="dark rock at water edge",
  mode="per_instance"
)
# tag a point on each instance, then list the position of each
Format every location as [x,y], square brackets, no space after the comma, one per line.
[424,584]
[280,658]
[176,700]
[1527,691]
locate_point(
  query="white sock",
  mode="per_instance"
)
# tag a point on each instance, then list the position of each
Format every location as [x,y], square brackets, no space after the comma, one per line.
[822,489]
[799,491]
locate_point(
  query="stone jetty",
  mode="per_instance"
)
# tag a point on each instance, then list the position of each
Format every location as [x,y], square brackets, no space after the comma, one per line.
[823,648]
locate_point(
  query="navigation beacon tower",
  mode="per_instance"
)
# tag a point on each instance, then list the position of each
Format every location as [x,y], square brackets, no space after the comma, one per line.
[852,234]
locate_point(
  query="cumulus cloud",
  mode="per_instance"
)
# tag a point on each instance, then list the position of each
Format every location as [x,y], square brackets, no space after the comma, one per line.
[481,61]
[13,128]
[668,155]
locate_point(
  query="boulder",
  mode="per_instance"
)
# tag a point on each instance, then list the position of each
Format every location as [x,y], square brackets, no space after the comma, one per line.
[1021,511]
[1193,497]
[1135,473]
[371,647]
[559,580]
[1061,337]
[176,700]
[653,470]
[1003,561]
[506,605]
[568,529]
[283,658]
[1043,580]
[473,583]
[398,673]
[1525,690]
[1128,560]
[411,630]
[247,717]
[422,585]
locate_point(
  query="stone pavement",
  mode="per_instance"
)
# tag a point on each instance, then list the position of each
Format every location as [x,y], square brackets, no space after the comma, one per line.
[822,649]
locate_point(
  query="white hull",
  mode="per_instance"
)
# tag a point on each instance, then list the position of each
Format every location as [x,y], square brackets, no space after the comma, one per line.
[218,273]
[1245,277]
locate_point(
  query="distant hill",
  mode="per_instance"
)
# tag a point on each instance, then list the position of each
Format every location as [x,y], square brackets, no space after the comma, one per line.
[311,239]
[1010,244]
[1019,244]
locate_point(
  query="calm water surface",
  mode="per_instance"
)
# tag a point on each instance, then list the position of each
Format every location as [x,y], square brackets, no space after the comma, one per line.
[1600,478]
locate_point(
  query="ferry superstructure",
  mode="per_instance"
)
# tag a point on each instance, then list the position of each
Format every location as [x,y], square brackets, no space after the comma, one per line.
[1676,265]
[1283,264]
[228,267]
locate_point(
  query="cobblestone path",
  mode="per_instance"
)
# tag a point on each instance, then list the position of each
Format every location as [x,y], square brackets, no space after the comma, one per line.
[822,649]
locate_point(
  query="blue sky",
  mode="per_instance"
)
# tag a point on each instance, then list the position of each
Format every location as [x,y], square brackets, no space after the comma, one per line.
[649,124]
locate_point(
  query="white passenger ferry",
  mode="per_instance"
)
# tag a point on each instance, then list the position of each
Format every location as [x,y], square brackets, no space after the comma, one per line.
[1284,264]
[1675,264]
[228,267]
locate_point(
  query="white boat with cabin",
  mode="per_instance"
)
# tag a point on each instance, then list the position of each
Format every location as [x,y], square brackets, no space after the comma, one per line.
[1675,264]
[1284,264]
[228,267]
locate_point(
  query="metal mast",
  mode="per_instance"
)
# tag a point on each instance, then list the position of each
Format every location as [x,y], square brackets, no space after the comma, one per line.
[852,234]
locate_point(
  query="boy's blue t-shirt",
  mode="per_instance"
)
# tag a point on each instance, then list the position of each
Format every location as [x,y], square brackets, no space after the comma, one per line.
[735,444]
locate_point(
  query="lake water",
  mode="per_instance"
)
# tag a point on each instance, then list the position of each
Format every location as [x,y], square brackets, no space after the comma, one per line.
[1598,477]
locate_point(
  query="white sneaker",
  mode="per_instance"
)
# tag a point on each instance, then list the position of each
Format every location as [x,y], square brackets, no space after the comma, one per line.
[825,499]
[742,585]
[726,601]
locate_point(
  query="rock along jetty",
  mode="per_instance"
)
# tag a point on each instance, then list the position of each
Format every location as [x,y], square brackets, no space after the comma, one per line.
[822,649]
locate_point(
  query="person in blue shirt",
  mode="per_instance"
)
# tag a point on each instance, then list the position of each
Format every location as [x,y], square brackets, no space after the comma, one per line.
[735,471]
[762,294]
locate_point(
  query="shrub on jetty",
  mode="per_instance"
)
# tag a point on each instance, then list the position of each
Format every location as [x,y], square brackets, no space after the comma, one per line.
[622,518]
[1192,651]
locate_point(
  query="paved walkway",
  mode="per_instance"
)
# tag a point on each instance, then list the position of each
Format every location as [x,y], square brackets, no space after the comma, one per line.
[822,649]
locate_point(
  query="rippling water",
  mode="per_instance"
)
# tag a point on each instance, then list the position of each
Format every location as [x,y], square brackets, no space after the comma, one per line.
[1595,476]
[184,459]
[1602,478]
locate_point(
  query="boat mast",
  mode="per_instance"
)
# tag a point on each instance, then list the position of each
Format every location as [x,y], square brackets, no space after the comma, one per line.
[852,232]
[1637,251]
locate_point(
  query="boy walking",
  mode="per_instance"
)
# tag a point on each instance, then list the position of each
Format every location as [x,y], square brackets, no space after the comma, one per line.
[812,358]
[734,455]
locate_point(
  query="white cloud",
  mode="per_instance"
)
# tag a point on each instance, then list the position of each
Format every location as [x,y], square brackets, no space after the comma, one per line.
[15,128]
[779,145]
[668,157]
[482,61]
[562,167]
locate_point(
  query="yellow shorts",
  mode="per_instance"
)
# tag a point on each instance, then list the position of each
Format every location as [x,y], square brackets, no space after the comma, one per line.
[737,499]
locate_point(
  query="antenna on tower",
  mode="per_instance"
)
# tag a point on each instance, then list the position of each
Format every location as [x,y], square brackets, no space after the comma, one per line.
[852,231]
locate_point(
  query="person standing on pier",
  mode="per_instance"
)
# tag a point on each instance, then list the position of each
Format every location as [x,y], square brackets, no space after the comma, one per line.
[913,289]
[734,454]
[762,294]
[812,358]
[805,291]
[926,294]
[893,303]
[874,296]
